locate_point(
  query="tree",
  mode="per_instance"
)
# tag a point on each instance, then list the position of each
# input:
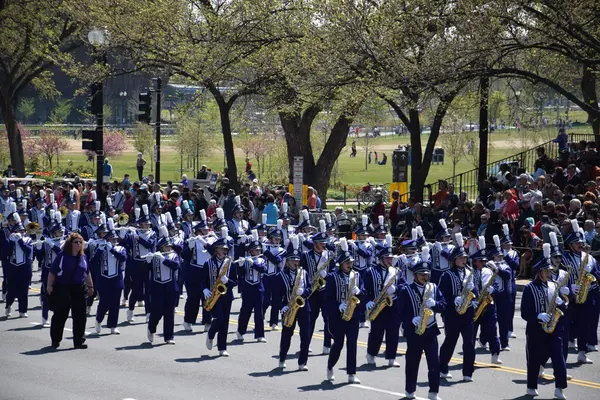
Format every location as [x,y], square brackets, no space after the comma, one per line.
[454,141]
[144,140]
[114,143]
[27,108]
[61,111]
[36,36]
[48,145]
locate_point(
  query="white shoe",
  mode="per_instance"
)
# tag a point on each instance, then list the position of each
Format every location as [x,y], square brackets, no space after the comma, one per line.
[209,343]
[302,367]
[467,379]
[239,336]
[330,376]
[88,310]
[274,327]
[371,360]
[507,348]
[511,335]
[8,312]
[569,377]
[223,353]
[4,297]
[206,327]
[326,350]
[170,341]
[98,327]
[23,315]
[393,364]
[310,350]
[582,358]
[130,316]
[176,310]
[532,392]
[187,326]
[409,395]
[45,323]
[365,324]
[150,336]
[572,345]
[592,348]
[542,371]
[282,364]
[353,379]
[558,394]
[115,331]
[446,376]
[480,344]
[147,318]
[124,302]
[496,360]
[261,340]
[433,396]
[140,303]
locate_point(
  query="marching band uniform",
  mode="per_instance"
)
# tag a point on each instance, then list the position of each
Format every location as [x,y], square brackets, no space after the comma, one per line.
[5,233]
[411,302]
[186,225]
[440,252]
[502,292]
[338,292]
[274,256]
[452,284]
[156,217]
[46,254]
[362,251]
[511,258]
[20,258]
[406,261]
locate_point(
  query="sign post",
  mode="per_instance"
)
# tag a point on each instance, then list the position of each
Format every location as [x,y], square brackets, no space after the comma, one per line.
[400,173]
[298,178]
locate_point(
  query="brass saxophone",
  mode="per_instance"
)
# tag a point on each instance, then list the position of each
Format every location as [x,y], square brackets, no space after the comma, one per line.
[585,280]
[383,300]
[466,296]
[351,300]
[485,298]
[296,302]
[218,288]
[318,282]
[424,312]
[553,310]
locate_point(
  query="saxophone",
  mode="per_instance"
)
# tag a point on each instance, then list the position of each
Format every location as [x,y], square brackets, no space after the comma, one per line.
[485,298]
[296,302]
[318,282]
[585,280]
[384,299]
[466,296]
[218,288]
[424,312]
[553,310]
[351,300]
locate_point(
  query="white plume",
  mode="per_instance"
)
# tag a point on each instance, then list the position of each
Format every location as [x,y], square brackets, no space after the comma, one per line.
[169,218]
[110,224]
[419,231]
[497,241]
[443,224]
[203,215]
[109,202]
[97,204]
[328,218]
[295,242]
[254,234]
[380,220]
[224,232]
[279,223]
[145,210]
[55,206]
[505,229]
[137,213]
[553,239]
[388,240]
[94,195]
[263,219]
[162,230]
[481,242]
[322,225]
[304,215]
[413,234]
[163,219]
[103,219]
[365,220]
[220,213]
[51,198]
[178,211]
[16,217]
[19,193]
[425,254]
[52,214]
[575,225]
[24,204]
[238,200]
[458,237]
[546,249]
[284,208]
[344,244]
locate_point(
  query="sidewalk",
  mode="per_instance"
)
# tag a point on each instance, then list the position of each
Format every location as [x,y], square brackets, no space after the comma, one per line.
[521,284]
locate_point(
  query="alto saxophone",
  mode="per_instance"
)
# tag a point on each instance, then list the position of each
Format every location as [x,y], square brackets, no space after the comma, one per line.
[466,296]
[424,312]
[318,282]
[351,300]
[218,288]
[553,310]
[296,302]
[383,300]
[485,298]
[585,281]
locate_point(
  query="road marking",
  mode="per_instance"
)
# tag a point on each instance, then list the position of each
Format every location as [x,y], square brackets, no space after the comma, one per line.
[66,329]
[373,389]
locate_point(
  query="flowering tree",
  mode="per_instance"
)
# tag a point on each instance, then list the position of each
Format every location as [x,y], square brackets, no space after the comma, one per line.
[48,145]
[115,143]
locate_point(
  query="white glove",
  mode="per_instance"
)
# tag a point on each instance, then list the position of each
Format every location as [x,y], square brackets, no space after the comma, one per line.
[39,245]
[475,303]
[470,286]
[109,246]
[207,293]
[588,268]
[342,307]
[224,279]
[323,273]
[13,237]
[416,321]
[559,301]
[284,309]
[490,289]
[370,305]
[355,290]
[149,257]
[249,260]
[372,241]
[429,303]
[161,257]
[575,288]
[457,301]
[392,289]
[544,317]
[49,242]
[564,290]
[241,261]
[299,292]
[301,237]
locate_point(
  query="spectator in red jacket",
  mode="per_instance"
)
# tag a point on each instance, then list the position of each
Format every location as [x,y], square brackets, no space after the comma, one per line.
[510,210]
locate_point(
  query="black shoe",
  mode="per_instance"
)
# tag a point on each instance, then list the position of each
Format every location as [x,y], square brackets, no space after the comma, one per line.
[81,346]
[55,345]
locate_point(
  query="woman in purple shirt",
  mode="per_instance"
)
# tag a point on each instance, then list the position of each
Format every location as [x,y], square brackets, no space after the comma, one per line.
[69,284]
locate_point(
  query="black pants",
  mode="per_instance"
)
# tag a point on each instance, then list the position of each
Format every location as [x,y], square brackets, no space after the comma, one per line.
[72,299]
[140,173]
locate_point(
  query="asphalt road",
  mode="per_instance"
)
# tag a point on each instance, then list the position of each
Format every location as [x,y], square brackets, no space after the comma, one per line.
[126,367]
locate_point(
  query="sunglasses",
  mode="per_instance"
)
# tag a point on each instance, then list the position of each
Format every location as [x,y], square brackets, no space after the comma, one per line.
[77,242]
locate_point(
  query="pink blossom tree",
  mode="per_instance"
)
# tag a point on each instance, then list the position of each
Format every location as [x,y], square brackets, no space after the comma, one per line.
[48,145]
[115,143]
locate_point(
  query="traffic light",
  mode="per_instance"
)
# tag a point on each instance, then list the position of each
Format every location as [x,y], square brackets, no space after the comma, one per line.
[95,106]
[91,140]
[145,108]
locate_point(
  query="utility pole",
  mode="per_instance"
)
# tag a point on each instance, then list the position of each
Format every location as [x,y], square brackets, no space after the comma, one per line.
[157,150]
[93,140]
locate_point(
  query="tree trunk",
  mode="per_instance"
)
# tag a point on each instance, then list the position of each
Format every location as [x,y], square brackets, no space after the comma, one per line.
[15,143]
[296,128]
[590,96]
[224,109]
[484,91]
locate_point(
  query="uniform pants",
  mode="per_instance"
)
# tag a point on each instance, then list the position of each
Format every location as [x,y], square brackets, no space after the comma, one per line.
[388,323]
[539,347]
[43,294]
[19,277]
[252,300]
[487,322]
[592,338]
[340,330]
[504,310]
[271,298]
[162,305]
[109,303]
[192,303]
[127,282]
[455,326]
[513,304]
[140,285]
[582,318]
[220,322]
[4,277]
[567,321]
[303,320]
[316,305]
[415,346]
[75,303]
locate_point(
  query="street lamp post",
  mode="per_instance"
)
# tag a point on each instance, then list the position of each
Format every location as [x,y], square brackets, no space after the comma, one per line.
[122,96]
[517,94]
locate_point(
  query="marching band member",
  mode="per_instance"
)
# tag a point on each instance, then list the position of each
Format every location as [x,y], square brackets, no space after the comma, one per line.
[11,220]
[410,257]
[511,258]
[165,268]
[559,272]
[186,225]
[110,259]
[535,309]
[441,251]
[316,263]
[503,296]
[294,285]
[156,216]
[20,257]
[382,283]
[47,251]
[363,253]
[238,228]
[343,293]
[286,228]
[419,302]
[306,229]
[88,231]
[457,283]
[274,256]
[37,213]
[73,217]
[253,290]
[484,282]
[93,206]
[217,271]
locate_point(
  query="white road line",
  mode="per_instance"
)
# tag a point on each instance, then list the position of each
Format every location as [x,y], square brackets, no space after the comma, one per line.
[373,389]
[66,329]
